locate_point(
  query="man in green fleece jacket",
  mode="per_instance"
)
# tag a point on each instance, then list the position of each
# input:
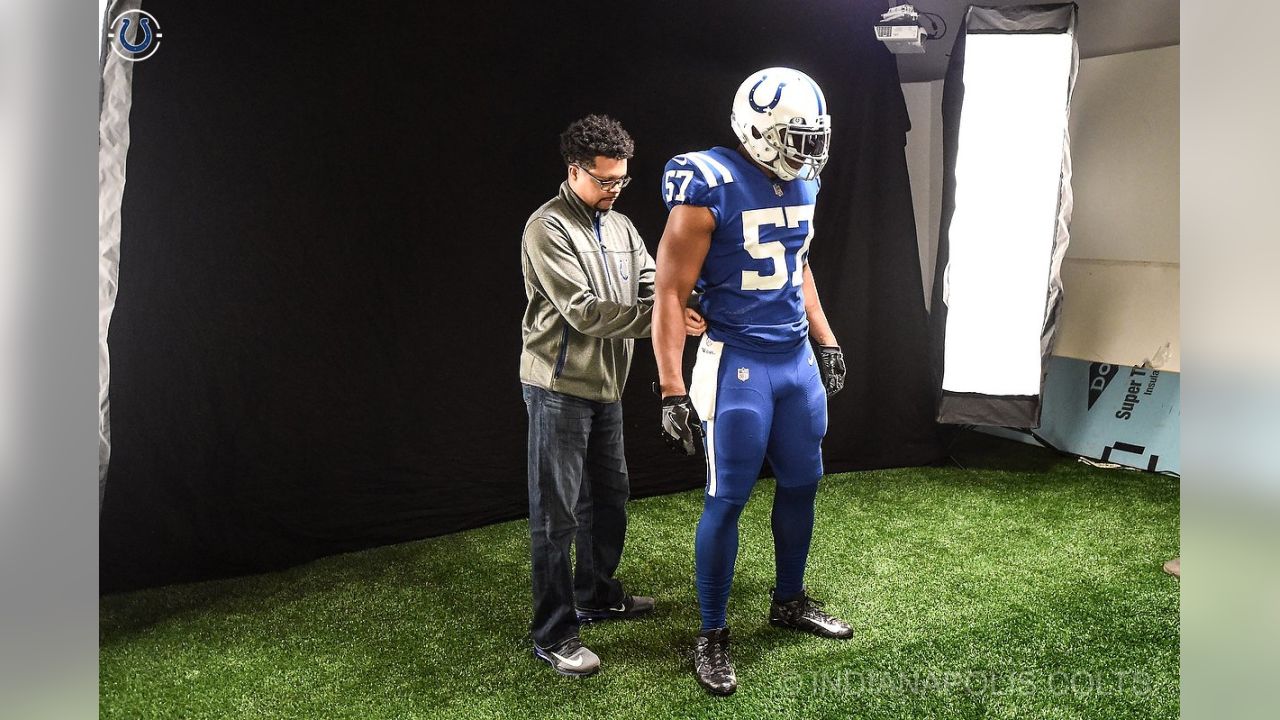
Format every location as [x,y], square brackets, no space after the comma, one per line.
[589,280]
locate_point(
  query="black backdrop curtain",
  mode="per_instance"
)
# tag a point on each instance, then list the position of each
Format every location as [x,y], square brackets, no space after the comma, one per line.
[316,340]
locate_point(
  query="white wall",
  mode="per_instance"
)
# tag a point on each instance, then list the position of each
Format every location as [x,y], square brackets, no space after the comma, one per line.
[1121,274]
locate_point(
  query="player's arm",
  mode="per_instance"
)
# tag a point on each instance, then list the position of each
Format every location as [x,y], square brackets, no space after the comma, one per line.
[694,323]
[830,356]
[819,328]
[683,248]
[563,281]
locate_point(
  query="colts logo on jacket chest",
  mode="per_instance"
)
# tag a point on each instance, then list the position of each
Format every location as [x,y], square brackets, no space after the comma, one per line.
[622,270]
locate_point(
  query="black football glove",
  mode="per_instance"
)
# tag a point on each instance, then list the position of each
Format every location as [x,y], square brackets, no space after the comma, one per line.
[680,425]
[831,365]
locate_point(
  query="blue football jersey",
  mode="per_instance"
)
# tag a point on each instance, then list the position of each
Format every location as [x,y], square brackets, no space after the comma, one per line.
[753,275]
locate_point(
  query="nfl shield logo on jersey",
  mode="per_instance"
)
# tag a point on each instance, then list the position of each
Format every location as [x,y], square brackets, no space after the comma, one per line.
[744,374]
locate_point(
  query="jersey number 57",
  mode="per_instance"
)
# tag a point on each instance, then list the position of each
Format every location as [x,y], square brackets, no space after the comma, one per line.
[775,250]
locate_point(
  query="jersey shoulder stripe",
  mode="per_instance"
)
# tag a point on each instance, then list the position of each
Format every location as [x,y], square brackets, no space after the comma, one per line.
[721,167]
[708,167]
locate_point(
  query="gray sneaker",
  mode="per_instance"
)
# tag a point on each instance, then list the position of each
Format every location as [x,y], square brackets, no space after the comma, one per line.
[570,658]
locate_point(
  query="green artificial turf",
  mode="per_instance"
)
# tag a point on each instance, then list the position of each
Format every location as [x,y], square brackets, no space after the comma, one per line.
[1025,585]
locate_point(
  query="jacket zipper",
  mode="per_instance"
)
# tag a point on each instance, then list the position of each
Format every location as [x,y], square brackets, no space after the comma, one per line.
[564,348]
[604,260]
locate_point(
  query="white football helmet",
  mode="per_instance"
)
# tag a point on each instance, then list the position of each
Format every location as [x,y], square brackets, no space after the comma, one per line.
[780,115]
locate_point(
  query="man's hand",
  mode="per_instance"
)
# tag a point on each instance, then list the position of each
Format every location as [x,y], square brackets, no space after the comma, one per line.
[680,425]
[831,366]
[694,324]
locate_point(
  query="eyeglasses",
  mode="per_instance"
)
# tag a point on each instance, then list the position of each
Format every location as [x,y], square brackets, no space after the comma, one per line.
[606,185]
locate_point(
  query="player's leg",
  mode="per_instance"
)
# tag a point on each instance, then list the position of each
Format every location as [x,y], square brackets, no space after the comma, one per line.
[735,434]
[735,437]
[792,521]
[602,523]
[559,426]
[795,453]
[716,552]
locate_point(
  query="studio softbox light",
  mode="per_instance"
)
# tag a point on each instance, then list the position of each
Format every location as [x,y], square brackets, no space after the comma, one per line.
[1005,210]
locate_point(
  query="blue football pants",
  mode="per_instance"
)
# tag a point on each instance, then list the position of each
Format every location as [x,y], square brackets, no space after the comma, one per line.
[766,405]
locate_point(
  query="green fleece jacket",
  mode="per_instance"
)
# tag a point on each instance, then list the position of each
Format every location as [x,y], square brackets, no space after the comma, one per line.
[589,280]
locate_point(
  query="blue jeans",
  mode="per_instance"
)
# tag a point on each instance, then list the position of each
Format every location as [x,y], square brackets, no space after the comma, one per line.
[578,493]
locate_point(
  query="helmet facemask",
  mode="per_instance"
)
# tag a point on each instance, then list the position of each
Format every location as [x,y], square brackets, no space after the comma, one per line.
[802,147]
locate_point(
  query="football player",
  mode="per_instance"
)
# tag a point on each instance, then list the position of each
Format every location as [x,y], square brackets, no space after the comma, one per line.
[739,228]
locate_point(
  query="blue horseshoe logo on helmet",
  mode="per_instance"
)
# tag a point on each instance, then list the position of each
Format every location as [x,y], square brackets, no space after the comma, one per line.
[146,36]
[777,96]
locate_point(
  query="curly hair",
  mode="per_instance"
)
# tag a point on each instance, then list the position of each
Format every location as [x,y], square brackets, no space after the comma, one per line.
[594,135]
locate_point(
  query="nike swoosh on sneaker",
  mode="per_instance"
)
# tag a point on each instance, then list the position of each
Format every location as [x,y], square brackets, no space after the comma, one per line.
[567,661]
[832,627]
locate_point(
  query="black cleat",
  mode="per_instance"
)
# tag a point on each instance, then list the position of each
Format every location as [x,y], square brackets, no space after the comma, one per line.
[631,606]
[802,613]
[569,658]
[711,662]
